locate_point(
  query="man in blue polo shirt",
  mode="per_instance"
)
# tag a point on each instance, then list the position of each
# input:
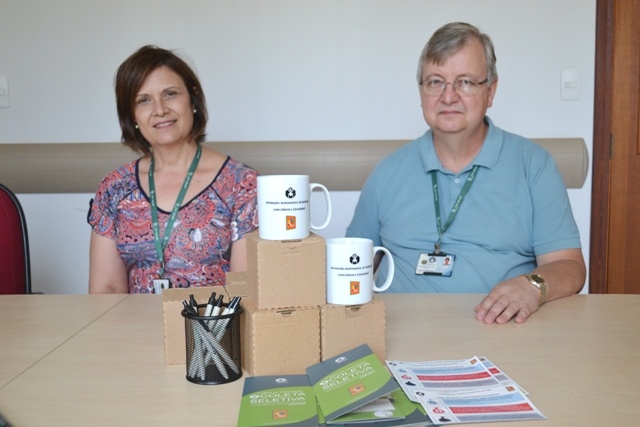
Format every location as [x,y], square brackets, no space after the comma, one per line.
[468,207]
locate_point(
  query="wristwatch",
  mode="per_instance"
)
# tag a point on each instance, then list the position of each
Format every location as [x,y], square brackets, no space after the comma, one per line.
[539,282]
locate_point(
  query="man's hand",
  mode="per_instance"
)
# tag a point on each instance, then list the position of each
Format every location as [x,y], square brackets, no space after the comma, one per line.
[564,272]
[515,297]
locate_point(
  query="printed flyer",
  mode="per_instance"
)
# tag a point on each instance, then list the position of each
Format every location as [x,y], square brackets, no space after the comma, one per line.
[464,391]
[501,404]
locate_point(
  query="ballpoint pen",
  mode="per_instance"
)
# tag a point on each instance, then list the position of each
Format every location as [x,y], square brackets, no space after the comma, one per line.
[210,304]
[194,304]
[197,362]
[189,308]
[216,310]
[228,309]
[221,326]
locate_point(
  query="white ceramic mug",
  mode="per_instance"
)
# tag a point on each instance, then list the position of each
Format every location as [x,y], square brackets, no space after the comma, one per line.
[283,207]
[350,278]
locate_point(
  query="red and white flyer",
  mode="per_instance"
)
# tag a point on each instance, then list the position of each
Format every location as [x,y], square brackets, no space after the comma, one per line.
[463,391]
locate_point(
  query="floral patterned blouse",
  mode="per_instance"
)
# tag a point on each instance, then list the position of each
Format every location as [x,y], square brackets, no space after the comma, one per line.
[199,249]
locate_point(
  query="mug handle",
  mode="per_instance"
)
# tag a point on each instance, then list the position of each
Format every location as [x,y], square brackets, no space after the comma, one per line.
[390,269]
[328,199]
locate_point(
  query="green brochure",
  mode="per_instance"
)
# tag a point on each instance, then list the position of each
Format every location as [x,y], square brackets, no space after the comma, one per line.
[278,400]
[349,381]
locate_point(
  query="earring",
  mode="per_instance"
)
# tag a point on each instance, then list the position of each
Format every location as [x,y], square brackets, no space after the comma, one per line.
[136,126]
[195,111]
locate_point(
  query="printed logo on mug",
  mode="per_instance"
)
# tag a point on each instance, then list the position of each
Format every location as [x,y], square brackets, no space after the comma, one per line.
[284,211]
[350,278]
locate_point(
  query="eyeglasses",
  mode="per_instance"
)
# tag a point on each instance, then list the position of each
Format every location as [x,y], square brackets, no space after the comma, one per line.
[463,86]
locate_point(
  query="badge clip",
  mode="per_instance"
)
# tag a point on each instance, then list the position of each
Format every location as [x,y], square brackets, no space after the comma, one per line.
[160,284]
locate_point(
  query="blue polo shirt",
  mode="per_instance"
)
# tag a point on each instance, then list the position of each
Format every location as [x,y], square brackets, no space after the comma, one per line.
[516,208]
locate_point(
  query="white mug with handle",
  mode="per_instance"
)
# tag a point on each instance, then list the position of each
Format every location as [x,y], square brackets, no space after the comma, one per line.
[284,211]
[350,278]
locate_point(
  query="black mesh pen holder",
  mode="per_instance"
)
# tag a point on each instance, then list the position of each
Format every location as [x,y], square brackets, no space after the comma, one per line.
[212,346]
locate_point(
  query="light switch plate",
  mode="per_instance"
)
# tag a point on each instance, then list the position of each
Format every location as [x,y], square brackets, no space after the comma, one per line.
[570,84]
[4,93]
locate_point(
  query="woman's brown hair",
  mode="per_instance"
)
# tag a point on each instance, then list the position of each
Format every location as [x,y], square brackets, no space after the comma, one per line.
[131,75]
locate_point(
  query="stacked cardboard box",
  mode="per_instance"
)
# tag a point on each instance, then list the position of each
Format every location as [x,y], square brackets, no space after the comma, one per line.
[286,273]
[345,327]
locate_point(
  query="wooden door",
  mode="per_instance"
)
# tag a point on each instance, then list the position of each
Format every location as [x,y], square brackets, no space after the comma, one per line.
[615,227]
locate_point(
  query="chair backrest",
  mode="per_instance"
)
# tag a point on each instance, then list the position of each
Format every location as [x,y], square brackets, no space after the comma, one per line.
[15,268]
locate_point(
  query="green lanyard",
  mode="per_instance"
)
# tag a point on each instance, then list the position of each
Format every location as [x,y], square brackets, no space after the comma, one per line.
[161,243]
[456,205]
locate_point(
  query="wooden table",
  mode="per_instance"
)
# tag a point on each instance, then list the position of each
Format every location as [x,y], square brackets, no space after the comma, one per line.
[99,359]
[32,326]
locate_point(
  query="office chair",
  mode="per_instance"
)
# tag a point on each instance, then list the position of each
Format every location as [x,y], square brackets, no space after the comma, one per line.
[15,267]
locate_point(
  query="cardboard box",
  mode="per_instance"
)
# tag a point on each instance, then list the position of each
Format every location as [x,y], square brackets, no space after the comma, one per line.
[286,273]
[279,342]
[345,327]
[174,336]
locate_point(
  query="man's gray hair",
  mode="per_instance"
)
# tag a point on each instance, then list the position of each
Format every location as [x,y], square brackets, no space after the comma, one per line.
[448,39]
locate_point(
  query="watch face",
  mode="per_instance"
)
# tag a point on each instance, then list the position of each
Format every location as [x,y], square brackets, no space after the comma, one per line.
[537,278]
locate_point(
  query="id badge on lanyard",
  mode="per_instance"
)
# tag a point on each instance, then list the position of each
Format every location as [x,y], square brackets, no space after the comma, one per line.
[438,263]
[435,264]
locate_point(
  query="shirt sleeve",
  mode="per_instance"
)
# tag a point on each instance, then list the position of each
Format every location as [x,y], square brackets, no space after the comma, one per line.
[245,214]
[101,216]
[103,208]
[554,227]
